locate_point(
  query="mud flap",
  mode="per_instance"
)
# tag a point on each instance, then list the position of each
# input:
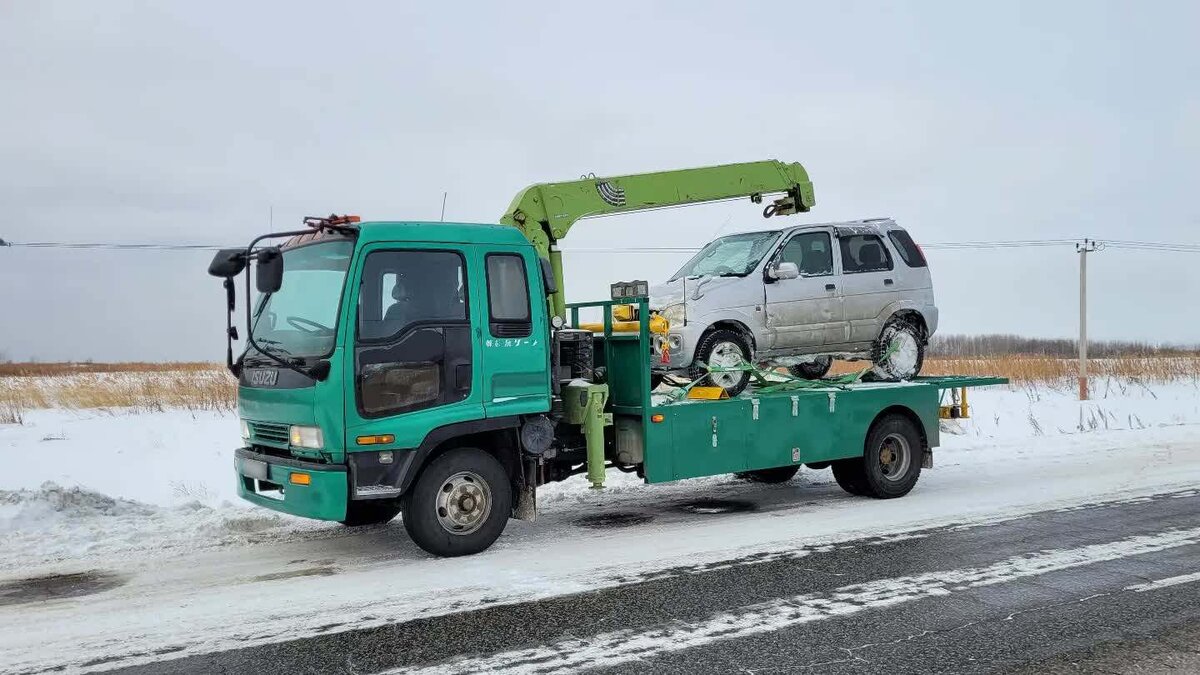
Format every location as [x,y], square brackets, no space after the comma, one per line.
[525,505]
[927,459]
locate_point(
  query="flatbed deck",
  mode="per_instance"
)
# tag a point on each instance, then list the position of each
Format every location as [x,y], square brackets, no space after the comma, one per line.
[687,438]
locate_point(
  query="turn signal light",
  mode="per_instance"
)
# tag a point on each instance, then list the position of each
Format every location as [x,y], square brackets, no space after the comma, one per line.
[300,479]
[657,418]
[380,439]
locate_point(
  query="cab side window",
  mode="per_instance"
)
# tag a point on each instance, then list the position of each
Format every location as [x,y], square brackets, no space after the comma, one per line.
[508,296]
[811,252]
[864,253]
[413,346]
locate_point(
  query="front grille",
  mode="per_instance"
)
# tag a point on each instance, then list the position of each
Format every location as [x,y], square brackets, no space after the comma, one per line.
[269,432]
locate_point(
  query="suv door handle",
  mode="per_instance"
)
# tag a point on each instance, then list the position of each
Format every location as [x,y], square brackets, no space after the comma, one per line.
[830,287]
[887,282]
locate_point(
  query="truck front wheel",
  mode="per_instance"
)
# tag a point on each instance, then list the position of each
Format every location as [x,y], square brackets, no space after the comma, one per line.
[459,504]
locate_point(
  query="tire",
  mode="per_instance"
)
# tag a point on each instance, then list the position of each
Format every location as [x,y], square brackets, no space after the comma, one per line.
[780,474]
[892,458]
[370,512]
[718,344]
[476,489]
[812,370]
[850,475]
[905,361]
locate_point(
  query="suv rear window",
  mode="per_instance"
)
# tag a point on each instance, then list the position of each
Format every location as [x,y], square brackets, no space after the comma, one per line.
[909,251]
[864,253]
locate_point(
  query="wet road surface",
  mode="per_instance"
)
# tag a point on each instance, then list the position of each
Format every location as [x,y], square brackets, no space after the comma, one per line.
[1110,587]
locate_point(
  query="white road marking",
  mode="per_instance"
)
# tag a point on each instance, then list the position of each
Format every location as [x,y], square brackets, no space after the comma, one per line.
[622,646]
[1164,583]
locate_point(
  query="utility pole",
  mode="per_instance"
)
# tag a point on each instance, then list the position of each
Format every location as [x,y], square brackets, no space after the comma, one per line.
[1083,248]
[444,195]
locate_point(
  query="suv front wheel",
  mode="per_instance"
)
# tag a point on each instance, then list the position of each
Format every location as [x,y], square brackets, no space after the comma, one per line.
[723,348]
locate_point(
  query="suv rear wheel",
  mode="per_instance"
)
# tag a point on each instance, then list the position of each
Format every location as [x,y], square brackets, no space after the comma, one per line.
[899,352]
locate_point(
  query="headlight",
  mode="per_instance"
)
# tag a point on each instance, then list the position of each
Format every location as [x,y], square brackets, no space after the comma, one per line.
[674,314]
[245,431]
[307,437]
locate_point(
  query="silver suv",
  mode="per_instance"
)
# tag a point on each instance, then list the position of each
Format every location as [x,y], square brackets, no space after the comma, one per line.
[799,298]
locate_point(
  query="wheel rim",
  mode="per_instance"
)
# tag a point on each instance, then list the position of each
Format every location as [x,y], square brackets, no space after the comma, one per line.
[895,456]
[463,503]
[726,355]
[903,359]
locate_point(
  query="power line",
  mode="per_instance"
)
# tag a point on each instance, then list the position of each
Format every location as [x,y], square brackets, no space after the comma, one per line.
[947,245]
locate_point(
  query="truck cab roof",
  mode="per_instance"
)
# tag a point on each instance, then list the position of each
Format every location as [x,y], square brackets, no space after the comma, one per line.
[425,231]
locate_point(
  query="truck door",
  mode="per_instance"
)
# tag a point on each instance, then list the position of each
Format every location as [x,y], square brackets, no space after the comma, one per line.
[516,354]
[868,283]
[414,353]
[806,312]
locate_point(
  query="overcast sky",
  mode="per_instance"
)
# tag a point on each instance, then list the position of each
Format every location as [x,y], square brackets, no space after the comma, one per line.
[191,122]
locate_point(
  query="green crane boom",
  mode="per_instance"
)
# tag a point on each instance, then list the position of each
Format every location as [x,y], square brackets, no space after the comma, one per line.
[546,212]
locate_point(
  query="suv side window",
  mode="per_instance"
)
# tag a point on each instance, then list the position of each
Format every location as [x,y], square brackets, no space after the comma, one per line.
[864,253]
[909,251]
[811,252]
[508,296]
[413,346]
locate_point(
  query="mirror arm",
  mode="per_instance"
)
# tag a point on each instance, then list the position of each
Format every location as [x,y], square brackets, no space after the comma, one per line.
[230,330]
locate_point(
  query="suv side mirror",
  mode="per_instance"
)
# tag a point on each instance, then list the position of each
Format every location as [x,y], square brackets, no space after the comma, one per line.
[270,270]
[783,270]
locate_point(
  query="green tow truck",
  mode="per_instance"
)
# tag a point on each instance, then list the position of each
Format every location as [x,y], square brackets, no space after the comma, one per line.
[435,369]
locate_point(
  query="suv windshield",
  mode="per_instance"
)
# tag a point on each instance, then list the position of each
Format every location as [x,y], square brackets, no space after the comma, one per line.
[735,255]
[301,318]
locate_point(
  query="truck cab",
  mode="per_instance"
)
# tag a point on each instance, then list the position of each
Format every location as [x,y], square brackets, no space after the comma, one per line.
[424,326]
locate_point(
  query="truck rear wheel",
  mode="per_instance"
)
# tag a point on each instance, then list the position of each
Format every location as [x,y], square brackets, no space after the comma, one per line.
[459,504]
[850,476]
[780,474]
[891,461]
[370,512]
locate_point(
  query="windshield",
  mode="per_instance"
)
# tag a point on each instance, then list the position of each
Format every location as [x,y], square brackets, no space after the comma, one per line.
[301,318]
[735,255]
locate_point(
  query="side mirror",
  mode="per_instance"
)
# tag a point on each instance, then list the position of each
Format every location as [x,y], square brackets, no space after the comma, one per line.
[228,262]
[784,270]
[270,270]
[548,282]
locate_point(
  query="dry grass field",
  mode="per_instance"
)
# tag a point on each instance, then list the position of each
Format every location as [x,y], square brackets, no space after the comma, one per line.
[207,386]
[142,387]
[1058,371]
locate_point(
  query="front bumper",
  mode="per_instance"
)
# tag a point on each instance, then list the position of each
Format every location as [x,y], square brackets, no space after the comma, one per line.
[324,498]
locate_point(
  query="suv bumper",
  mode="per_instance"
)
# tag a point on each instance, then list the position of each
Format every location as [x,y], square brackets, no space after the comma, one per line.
[266,480]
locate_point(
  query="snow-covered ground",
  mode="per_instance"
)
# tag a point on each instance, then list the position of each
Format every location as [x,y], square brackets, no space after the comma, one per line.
[91,484]
[150,496]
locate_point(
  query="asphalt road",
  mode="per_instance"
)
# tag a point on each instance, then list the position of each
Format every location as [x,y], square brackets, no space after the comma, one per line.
[1110,587]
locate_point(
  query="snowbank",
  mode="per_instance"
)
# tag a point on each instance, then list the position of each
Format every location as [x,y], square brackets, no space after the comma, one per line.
[88,484]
